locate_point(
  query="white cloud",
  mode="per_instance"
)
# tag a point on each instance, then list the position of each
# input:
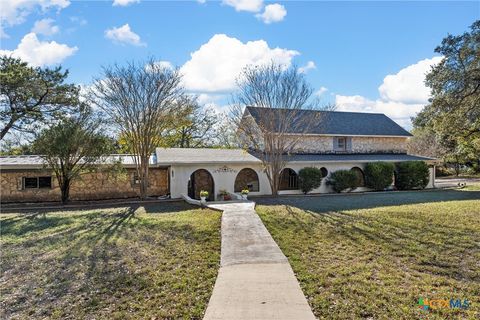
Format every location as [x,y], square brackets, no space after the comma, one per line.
[272,13]
[408,84]
[309,66]
[201,1]
[216,64]
[45,27]
[124,3]
[39,53]
[159,65]
[245,5]
[14,12]
[402,95]
[165,64]
[320,91]
[124,35]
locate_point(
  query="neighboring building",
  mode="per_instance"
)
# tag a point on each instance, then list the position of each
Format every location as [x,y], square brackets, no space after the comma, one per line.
[341,140]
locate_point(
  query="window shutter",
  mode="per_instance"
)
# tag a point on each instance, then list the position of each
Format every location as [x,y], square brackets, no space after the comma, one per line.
[349,143]
[20,183]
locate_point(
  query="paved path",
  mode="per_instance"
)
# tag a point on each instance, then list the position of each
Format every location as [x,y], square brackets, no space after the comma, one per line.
[255,280]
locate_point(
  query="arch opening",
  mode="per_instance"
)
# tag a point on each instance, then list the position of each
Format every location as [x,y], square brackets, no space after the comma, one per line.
[247,179]
[288,180]
[200,180]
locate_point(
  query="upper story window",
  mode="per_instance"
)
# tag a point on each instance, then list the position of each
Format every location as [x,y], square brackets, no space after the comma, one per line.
[341,143]
[37,182]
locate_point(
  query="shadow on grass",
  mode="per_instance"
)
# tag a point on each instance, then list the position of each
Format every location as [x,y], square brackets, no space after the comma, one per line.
[436,246]
[40,208]
[329,203]
[98,255]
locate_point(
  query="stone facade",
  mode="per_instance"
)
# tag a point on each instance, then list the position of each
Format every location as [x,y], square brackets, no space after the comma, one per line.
[90,186]
[324,144]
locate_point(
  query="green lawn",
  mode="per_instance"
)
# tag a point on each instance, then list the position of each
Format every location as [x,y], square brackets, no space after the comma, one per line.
[363,260]
[150,262]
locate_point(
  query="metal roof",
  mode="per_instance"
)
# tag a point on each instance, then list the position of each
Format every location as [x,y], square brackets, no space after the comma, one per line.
[179,156]
[332,122]
[37,162]
[168,156]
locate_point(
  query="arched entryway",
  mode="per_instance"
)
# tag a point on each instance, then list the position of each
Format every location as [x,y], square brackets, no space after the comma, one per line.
[200,180]
[288,179]
[246,179]
[360,176]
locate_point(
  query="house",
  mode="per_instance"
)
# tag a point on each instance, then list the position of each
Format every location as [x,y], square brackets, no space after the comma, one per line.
[338,140]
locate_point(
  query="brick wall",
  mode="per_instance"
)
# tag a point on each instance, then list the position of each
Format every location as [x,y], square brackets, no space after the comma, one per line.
[90,186]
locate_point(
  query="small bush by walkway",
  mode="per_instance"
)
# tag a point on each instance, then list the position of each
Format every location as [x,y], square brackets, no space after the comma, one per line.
[153,262]
[376,263]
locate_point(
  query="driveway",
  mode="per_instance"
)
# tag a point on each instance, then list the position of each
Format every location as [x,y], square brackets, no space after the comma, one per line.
[255,280]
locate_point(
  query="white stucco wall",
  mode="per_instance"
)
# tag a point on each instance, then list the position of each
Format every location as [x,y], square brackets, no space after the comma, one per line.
[225,180]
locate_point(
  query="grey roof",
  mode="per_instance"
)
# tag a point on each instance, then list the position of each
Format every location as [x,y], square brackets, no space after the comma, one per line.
[37,162]
[172,156]
[167,156]
[334,122]
[369,157]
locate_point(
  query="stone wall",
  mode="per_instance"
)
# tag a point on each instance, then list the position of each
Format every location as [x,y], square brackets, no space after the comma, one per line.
[324,144]
[90,186]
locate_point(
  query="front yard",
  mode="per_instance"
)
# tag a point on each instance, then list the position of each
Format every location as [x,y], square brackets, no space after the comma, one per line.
[356,258]
[153,262]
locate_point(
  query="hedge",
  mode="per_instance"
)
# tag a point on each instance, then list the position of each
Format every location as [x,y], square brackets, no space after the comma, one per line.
[411,175]
[309,178]
[379,175]
[343,179]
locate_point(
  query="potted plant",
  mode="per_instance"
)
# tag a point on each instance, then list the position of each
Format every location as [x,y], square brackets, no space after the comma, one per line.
[224,195]
[203,195]
[245,193]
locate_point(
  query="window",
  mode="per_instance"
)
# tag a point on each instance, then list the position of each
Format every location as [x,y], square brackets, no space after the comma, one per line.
[30,183]
[341,143]
[37,182]
[45,182]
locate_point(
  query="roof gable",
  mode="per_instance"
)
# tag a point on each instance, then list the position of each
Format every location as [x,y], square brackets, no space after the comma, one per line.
[336,122]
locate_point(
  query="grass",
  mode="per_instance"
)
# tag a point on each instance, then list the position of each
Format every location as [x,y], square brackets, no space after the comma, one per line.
[376,262]
[153,262]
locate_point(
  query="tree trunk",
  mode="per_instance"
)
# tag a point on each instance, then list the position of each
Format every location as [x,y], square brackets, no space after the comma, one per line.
[144,178]
[65,189]
[7,127]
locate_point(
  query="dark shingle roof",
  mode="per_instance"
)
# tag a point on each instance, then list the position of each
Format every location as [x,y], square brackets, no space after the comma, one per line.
[336,123]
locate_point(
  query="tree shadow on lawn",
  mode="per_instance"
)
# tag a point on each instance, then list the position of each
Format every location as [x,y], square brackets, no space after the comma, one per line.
[329,203]
[91,256]
[435,247]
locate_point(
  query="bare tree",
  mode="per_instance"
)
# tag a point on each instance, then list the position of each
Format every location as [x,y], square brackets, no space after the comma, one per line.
[282,97]
[142,100]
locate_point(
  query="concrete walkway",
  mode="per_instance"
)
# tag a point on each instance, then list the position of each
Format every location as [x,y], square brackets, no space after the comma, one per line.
[255,280]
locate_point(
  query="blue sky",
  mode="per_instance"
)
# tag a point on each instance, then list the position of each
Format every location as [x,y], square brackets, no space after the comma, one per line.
[363,56]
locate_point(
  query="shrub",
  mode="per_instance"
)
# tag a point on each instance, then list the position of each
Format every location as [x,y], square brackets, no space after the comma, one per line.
[309,178]
[379,175]
[343,179]
[411,175]
[204,193]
